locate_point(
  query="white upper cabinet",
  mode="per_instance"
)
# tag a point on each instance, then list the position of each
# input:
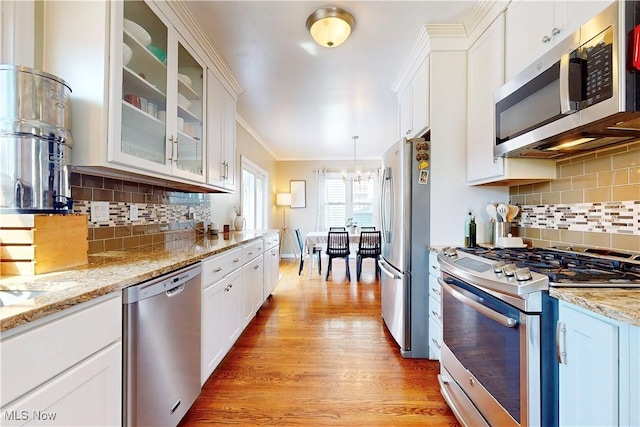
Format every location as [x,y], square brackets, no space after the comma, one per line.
[533,27]
[161,98]
[485,76]
[221,134]
[139,90]
[413,102]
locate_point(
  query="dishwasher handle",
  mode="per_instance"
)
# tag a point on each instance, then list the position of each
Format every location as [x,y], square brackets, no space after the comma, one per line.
[175,291]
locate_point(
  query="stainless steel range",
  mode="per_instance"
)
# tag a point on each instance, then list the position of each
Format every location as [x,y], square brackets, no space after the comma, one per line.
[498,356]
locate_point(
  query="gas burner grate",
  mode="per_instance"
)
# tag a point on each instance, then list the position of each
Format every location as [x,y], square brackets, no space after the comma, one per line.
[562,266]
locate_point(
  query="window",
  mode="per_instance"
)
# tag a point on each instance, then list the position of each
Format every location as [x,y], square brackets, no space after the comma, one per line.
[254,184]
[346,199]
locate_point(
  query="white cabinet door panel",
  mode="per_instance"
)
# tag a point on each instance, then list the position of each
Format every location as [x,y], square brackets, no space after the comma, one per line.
[87,394]
[589,374]
[485,75]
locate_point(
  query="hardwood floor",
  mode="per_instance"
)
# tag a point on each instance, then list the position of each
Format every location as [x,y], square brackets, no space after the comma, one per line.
[317,354]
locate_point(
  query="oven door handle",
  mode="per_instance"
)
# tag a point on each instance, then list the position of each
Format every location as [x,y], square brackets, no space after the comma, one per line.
[491,314]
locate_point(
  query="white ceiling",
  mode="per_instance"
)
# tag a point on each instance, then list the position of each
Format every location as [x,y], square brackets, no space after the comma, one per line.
[306,102]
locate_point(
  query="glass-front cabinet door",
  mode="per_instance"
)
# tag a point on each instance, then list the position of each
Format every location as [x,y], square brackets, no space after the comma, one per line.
[143,103]
[188,152]
[158,116]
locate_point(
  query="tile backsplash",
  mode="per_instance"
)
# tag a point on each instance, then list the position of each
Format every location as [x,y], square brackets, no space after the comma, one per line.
[163,214]
[595,201]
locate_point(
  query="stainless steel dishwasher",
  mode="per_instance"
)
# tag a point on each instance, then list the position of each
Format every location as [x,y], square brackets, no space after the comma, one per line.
[161,363]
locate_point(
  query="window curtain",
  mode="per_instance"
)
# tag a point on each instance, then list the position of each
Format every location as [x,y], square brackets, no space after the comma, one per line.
[321,196]
[377,191]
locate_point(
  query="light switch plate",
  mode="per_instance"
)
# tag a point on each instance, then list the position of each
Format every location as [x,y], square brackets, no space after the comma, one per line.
[133,212]
[99,211]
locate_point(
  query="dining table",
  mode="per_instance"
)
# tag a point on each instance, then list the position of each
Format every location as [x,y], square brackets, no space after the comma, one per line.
[320,238]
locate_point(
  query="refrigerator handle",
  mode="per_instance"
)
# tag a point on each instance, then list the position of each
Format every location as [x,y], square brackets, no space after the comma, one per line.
[389,273]
[383,200]
[386,204]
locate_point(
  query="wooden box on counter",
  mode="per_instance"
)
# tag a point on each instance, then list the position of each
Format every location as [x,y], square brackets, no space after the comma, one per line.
[41,243]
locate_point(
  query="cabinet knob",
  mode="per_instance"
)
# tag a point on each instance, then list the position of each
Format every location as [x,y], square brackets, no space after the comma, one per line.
[555,31]
[546,39]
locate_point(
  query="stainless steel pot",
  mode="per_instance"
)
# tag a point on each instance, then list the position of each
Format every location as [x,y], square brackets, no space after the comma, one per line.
[34,174]
[34,103]
[35,141]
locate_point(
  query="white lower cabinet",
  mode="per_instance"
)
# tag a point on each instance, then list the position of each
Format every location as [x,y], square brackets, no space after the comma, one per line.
[597,386]
[221,321]
[87,394]
[435,312]
[271,264]
[232,293]
[252,283]
[72,373]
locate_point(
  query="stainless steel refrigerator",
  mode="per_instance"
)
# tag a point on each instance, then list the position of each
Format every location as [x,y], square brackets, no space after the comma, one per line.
[405,205]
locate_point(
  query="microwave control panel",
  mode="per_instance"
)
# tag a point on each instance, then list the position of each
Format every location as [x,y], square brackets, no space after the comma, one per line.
[597,62]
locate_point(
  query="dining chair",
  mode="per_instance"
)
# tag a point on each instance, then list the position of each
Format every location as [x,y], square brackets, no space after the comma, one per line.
[370,246]
[338,247]
[367,229]
[337,229]
[316,250]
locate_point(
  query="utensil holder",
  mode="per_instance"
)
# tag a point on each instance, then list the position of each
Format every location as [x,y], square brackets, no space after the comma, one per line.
[501,229]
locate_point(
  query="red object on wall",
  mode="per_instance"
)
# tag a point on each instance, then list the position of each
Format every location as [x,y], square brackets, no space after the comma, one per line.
[636,48]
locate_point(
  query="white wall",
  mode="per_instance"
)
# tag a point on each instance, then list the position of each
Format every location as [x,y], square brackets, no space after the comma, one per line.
[17,33]
[222,210]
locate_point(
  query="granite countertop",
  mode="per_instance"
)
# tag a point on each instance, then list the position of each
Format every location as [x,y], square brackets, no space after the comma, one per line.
[621,304]
[109,272]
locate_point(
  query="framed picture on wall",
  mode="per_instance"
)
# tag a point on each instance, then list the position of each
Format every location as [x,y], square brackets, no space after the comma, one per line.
[298,194]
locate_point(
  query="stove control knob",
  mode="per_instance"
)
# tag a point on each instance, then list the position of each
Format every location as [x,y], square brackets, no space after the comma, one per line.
[497,267]
[523,274]
[509,270]
[451,252]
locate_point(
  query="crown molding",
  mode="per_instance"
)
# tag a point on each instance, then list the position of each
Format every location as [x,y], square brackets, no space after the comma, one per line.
[242,122]
[420,50]
[179,8]
[478,14]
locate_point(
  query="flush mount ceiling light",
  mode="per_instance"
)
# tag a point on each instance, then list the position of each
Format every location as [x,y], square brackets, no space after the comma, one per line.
[330,26]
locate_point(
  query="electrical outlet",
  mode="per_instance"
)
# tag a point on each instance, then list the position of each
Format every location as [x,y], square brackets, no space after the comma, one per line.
[133,212]
[99,211]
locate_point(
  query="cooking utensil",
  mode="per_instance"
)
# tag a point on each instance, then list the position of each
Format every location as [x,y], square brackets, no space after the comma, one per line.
[513,212]
[502,210]
[492,212]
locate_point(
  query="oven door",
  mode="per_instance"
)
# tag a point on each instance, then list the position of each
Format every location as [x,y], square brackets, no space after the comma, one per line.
[492,352]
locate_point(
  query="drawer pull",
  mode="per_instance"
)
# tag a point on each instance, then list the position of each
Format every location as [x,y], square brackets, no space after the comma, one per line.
[217,270]
[236,260]
[437,315]
[436,291]
[436,343]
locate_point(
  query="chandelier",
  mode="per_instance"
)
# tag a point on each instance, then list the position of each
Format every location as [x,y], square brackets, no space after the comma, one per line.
[357,174]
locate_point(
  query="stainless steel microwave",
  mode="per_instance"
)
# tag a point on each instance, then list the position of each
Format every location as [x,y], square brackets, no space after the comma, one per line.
[583,94]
